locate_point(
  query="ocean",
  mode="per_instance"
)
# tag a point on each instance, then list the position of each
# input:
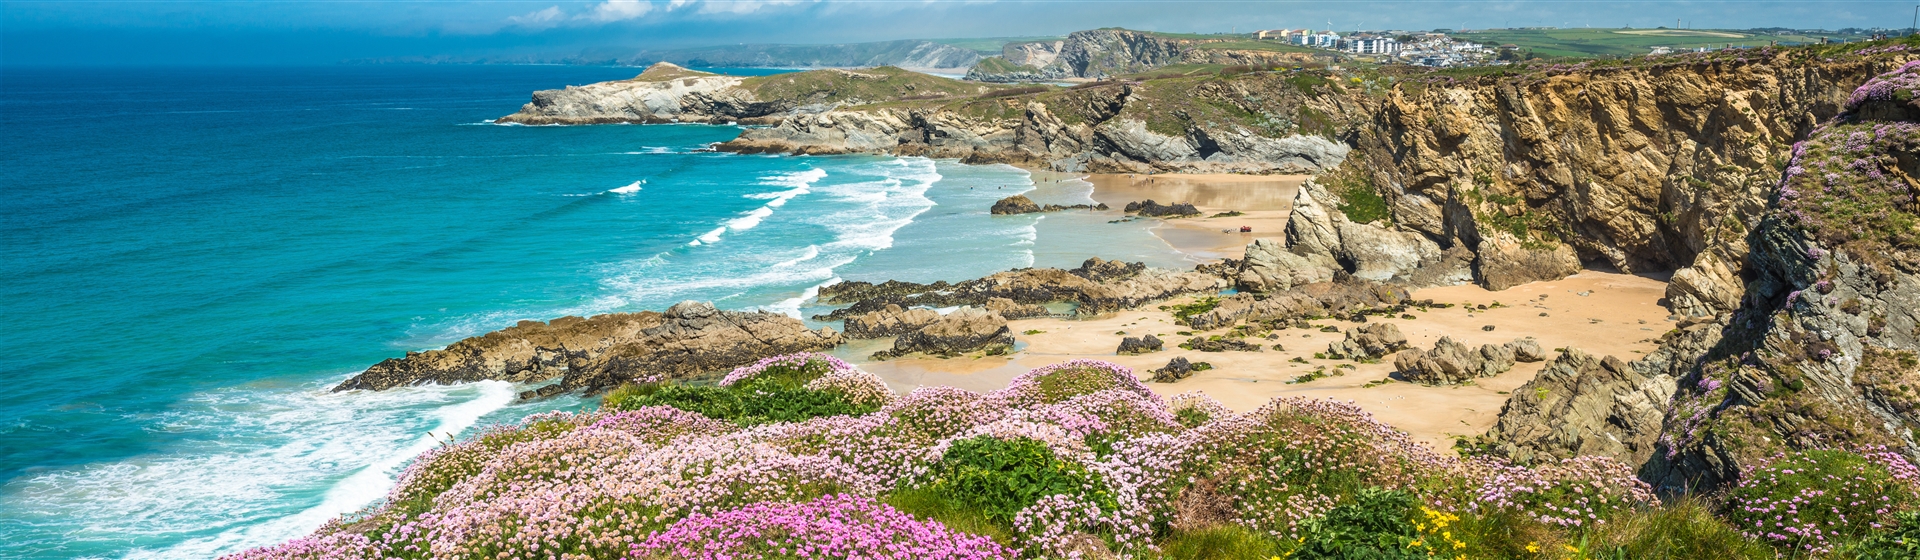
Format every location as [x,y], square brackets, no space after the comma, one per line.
[194,256]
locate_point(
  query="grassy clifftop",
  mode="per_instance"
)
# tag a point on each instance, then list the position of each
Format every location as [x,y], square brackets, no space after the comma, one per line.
[871,85]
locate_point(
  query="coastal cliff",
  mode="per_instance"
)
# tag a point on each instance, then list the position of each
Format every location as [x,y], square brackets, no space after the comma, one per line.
[1105,53]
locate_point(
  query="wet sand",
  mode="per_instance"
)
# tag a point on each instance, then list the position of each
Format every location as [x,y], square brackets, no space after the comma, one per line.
[1264,201]
[1618,316]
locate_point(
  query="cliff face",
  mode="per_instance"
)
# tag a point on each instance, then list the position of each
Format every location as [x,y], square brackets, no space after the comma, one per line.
[1104,53]
[1193,125]
[1649,167]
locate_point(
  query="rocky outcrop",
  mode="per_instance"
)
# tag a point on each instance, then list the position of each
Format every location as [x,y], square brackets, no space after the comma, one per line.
[1103,53]
[1312,300]
[1662,165]
[665,93]
[965,330]
[1322,241]
[690,338]
[1583,405]
[1220,344]
[1453,363]
[1140,345]
[693,338]
[1158,210]
[1825,347]
[1370,342]
[1019,204]
[891,321]
[1176,369]
[530,351]
[1015,310]
[1097,286]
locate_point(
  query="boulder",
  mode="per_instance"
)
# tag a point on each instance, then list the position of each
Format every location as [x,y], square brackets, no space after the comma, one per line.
[1450,363]
[1368,342]
[1014,310]
[1583,405]
[889,321]
[1270,267]
[1157,210]
[1140,345]
[968,329]
[1176,369]
[1320,298]
[1102,270]
[1504,262]
[1526,350]
[1016,204]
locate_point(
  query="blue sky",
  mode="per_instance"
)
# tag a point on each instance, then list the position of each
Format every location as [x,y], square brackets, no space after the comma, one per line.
[304,31]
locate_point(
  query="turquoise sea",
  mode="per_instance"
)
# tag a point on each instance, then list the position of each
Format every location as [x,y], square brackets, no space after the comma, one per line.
[193,256]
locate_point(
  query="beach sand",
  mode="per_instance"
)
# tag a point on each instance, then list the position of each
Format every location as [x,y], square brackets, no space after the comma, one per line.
[1264,201]
[1599,312]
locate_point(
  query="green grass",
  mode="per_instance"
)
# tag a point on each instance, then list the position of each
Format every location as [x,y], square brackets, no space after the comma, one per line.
[991,45]
[997,65]
[1588,43]
[868,85]
[945,508]
[1226,542]
[1255,45]
[1683,529]
[661,74]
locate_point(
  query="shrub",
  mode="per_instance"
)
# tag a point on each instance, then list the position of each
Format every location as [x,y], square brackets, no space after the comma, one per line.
[1066,380]
[1375,525]
[1000,477]
[1901,541]
[1576,492]
[835,526]
[779,389]
[1813,500]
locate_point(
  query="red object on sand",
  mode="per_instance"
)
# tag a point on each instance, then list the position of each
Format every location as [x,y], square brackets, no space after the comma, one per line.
[1246,229]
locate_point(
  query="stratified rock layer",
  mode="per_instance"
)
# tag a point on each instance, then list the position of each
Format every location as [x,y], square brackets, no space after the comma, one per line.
[965,330]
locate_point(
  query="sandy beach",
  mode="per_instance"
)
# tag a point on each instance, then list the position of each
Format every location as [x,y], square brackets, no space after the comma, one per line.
[1599,312]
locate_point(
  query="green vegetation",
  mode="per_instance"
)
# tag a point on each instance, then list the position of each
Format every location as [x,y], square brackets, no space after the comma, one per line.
[950,510]
[1375,525]
[991,45]
[997,478]
[1256,45]
[1223,542]
[1588,43]
[1186,311]
[664,73]
[773,397]
[868,85]
[997,65]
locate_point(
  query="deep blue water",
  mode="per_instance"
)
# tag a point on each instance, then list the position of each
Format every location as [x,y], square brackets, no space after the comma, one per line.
[193,256]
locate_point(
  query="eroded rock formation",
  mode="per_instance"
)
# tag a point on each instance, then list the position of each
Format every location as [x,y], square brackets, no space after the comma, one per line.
[967,329]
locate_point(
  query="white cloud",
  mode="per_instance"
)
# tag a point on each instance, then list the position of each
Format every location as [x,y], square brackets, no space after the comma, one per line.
[619,10]
[541,19]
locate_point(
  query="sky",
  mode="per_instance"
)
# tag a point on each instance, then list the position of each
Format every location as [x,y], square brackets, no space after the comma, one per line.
[141,32]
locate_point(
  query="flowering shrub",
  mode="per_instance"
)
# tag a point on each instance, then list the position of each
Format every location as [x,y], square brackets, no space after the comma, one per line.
[1897,85]
[1812,500]
[834,526]
[1069,461]
[779,389]
[1576,492]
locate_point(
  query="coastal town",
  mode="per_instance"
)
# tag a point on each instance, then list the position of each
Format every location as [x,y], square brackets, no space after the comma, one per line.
[1442,48]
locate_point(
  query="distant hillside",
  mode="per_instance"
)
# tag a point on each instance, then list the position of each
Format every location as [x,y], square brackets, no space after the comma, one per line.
[1586,42]
[1105,53]
[906,54]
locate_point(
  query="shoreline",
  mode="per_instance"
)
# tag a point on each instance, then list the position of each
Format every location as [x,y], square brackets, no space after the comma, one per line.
[1619,316]
[1263,203]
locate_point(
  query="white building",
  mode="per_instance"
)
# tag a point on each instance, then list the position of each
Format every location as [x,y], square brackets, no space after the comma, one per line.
[1370,45]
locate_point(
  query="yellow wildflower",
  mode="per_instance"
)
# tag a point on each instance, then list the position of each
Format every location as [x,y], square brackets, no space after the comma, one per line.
[1533,547]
